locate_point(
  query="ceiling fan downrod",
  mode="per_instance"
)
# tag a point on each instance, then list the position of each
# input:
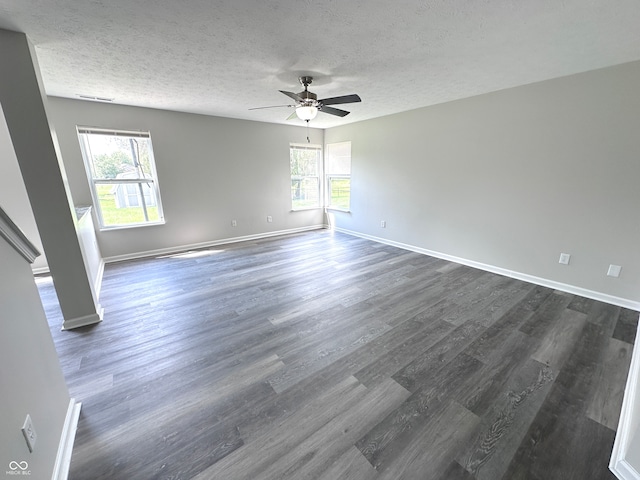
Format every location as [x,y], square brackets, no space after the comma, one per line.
[308,98]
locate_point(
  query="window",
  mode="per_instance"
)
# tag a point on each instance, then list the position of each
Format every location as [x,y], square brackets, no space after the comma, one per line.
[122,176]
[305,176]
[338,176]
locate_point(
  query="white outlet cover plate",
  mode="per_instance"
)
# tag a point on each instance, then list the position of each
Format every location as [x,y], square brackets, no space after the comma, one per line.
[614,270]
[29,433]
[564,258]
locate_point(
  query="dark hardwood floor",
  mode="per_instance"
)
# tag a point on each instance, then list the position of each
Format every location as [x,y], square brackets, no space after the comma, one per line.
[326,356]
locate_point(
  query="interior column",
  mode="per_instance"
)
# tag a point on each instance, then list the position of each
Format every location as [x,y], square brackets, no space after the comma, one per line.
[23,102]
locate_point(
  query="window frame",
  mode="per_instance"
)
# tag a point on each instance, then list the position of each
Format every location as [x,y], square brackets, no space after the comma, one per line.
[331,176]
[151,180]
[332,206]
[318,177]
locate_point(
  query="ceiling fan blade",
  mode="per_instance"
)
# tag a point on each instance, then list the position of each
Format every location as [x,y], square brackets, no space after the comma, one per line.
[334,111]
[272,106]
[338,100]
[295,96]
[292,116]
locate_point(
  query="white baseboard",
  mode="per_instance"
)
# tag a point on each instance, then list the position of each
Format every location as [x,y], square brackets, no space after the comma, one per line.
[85,320]
[629,420]
[213,243]
[67,438]
[583,292]
[624,471]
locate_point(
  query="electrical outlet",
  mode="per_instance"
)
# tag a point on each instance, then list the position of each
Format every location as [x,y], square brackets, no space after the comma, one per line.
[564,258]
[29,433]
[383,224]
[234,223]
[614,270]
[269,218]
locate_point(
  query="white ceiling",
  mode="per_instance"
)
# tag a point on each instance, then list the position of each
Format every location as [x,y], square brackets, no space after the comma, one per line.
[224,57]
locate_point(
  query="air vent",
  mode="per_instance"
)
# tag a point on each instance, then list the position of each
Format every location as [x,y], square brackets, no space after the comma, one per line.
[95,99]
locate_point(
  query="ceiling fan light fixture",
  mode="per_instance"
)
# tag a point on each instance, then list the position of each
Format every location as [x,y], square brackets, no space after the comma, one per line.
[306,112]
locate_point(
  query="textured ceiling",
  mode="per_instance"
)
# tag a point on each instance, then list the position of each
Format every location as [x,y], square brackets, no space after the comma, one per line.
[224,57]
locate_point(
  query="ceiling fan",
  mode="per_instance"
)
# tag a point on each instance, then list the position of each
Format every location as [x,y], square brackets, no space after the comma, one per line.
[307,104]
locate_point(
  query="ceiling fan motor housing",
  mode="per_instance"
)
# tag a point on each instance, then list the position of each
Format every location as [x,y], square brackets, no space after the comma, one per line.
[308,98]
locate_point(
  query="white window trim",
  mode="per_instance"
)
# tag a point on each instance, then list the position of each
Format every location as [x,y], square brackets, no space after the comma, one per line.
[329,176]
[310,146]
[337,208]
[95,181]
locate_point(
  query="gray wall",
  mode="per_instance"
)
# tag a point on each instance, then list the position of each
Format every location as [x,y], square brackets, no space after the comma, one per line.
[31,379]
[511,179]
[211,170]
[13,194]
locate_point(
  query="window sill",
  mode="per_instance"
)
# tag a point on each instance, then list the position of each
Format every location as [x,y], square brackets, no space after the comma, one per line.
[135,225]
[306,209]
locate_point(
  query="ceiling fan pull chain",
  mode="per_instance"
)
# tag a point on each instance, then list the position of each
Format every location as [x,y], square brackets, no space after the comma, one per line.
[308,141]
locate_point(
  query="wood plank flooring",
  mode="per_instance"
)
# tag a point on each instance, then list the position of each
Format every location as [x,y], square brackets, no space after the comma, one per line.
[325,356]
